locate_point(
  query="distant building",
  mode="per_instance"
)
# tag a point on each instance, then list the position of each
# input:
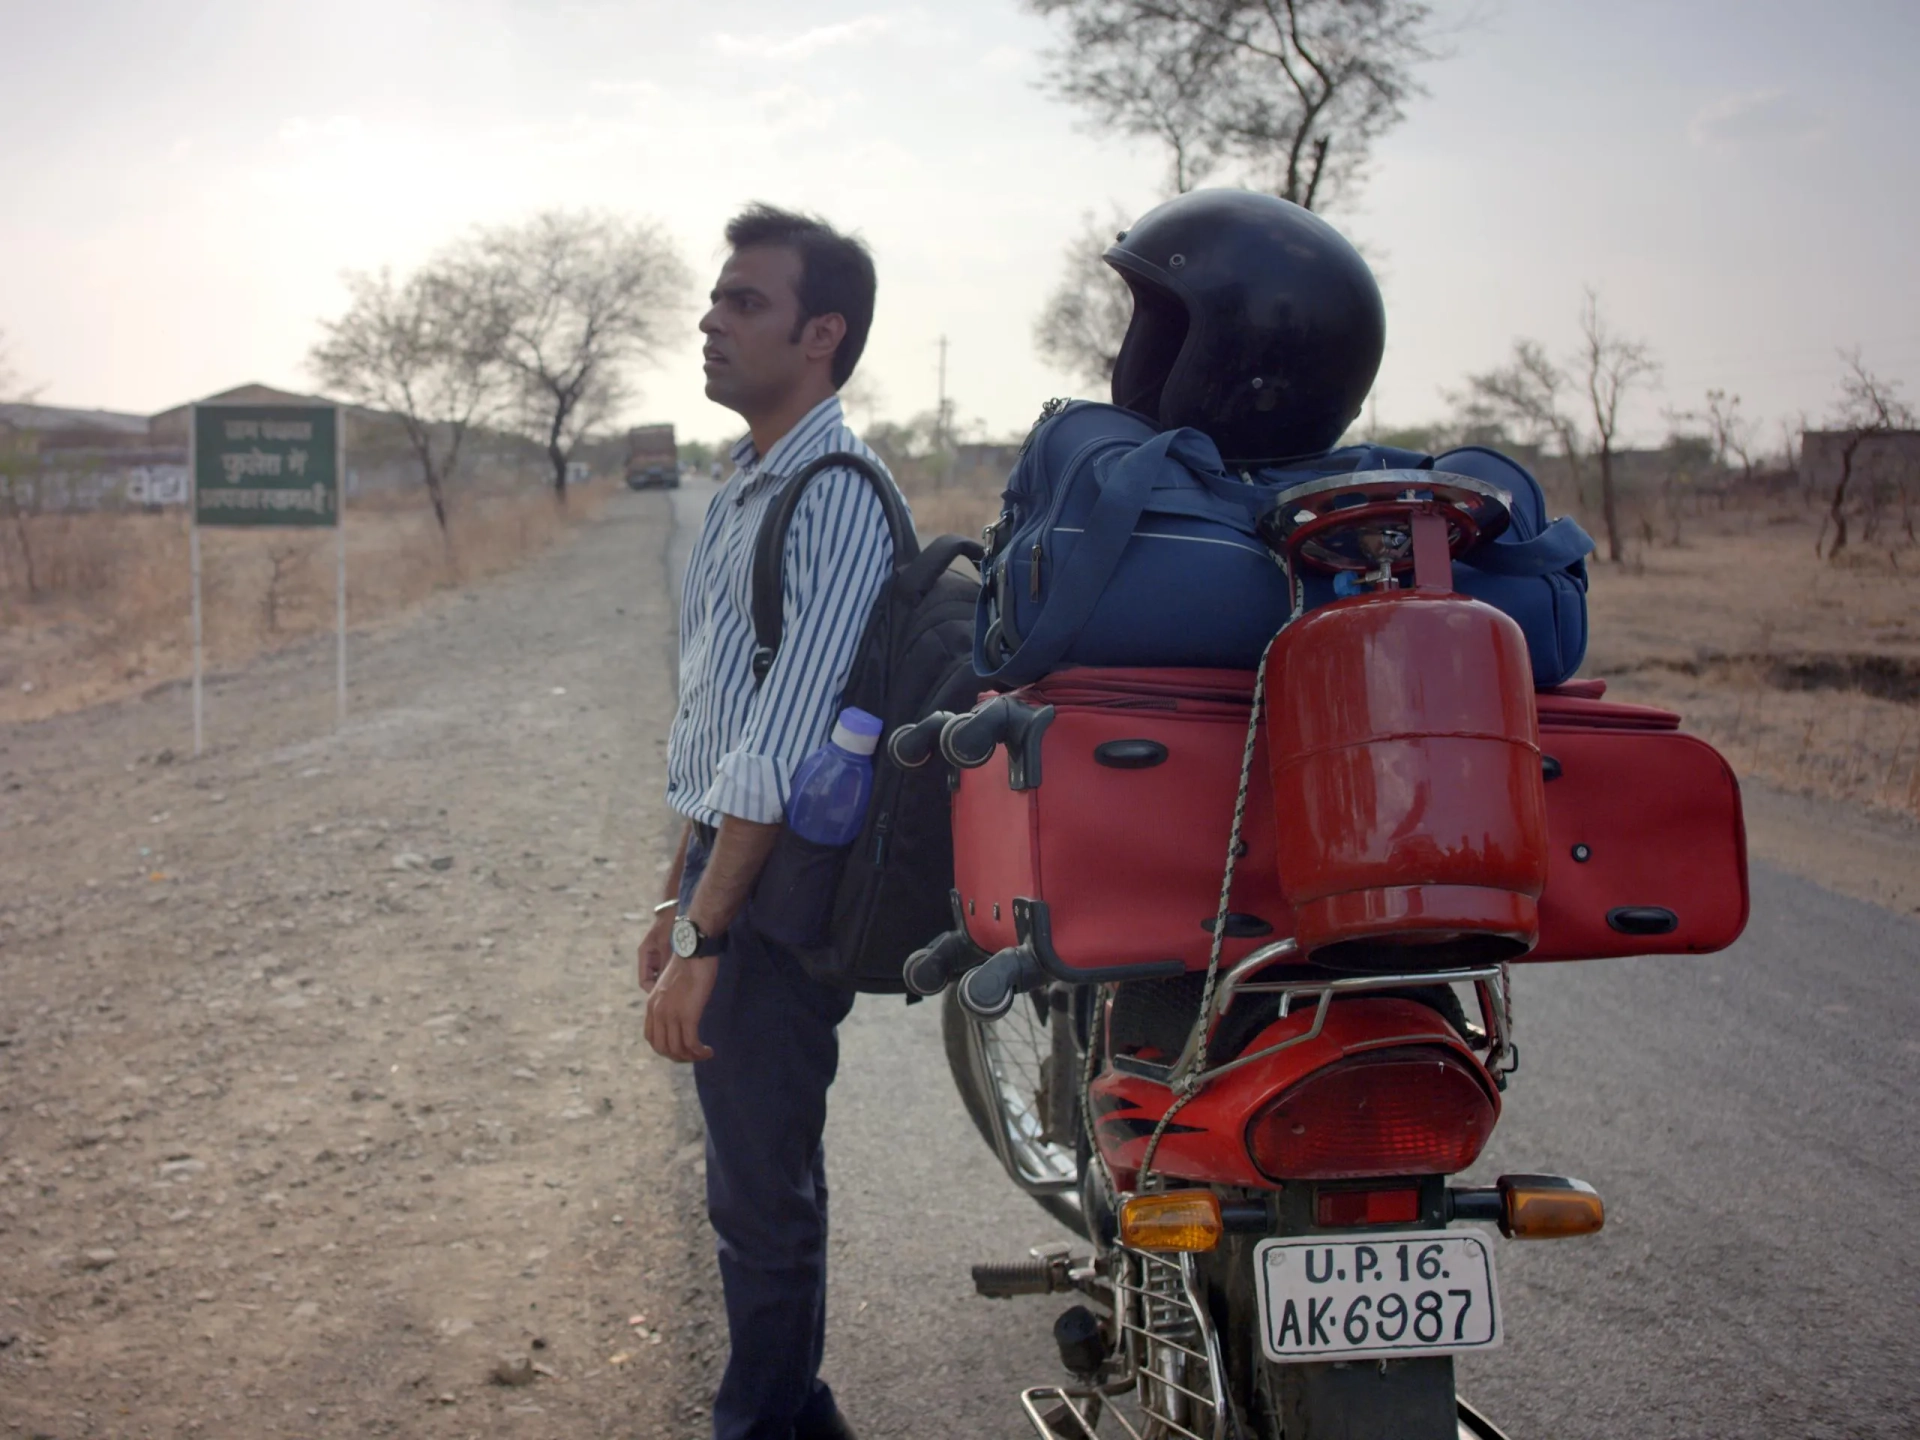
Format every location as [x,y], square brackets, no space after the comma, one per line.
[91,459]
[1883,458]
[59,427]
[107,459]
[171,425]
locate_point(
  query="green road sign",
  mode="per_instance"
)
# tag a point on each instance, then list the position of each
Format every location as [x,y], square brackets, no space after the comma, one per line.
[266,465]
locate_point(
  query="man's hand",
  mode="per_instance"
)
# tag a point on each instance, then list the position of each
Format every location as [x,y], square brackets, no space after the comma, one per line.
[655,951]
[675,1005]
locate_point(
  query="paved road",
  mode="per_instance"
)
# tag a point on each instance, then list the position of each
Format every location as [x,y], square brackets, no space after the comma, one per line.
[1749,1117]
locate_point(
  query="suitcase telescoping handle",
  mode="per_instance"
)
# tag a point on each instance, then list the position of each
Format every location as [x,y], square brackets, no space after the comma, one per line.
[988,990]
[987,986]
[911,746]
[932,968]
[968,741]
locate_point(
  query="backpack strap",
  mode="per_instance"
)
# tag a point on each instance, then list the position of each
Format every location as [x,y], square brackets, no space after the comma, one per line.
[917,576]
[770,546]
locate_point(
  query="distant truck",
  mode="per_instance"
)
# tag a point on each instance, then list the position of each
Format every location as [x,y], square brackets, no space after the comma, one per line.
[653,460]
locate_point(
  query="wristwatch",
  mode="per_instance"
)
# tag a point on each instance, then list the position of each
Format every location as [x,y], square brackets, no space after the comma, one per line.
[690,942]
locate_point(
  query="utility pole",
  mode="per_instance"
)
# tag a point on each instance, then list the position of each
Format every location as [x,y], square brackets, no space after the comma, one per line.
[940,415]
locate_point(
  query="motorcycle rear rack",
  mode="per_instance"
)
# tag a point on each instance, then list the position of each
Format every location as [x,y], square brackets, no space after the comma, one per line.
[1190,1071]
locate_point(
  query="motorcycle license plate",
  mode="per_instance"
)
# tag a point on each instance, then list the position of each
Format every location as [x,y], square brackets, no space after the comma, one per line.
[1408,1293]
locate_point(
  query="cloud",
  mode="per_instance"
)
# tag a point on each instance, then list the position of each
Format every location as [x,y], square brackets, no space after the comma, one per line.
[304,129]
[795,107]
[634,89]
[1755,118]
[807,43]
[1007,59]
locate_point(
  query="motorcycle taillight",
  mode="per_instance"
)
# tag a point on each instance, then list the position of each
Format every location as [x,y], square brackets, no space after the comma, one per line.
[1411,1110]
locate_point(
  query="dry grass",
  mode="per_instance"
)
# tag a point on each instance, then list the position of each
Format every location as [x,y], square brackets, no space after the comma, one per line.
[947,509]
[1806,674]
[112,612]
[1767,651]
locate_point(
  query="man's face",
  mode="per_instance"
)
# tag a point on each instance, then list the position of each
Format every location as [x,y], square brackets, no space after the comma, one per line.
[753,360]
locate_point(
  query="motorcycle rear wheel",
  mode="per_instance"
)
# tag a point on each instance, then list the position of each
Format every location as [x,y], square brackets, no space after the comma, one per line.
[1001,1069]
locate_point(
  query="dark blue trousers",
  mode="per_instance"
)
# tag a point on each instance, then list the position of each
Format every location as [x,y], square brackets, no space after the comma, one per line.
[764,1096]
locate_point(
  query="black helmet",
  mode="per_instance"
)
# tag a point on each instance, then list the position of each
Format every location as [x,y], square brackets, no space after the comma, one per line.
[1254,321]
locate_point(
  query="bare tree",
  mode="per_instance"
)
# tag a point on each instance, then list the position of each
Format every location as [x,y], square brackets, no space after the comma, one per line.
[1153,80]
[19,468]
[1296,90]
[13,389]
[1868,406]
[1080,329]
[1293,91]
[1730,432]
[584,297]
[1527,395]
[1612,366]
[426,349]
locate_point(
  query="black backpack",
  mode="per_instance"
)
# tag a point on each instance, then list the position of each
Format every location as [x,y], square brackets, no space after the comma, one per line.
[915,656]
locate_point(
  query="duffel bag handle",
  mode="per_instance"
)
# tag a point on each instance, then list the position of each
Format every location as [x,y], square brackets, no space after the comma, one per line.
[1558,547]
[1082,578]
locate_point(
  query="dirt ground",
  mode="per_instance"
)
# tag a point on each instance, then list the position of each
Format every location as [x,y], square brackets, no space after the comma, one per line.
[322,1092]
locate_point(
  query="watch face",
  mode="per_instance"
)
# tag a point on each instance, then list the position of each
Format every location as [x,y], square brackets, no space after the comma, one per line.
[686,938]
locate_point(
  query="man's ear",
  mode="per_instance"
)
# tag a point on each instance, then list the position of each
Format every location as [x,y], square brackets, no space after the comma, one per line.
[822,336]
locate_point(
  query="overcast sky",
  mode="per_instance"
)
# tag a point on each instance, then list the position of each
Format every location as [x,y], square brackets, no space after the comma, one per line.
[181,186]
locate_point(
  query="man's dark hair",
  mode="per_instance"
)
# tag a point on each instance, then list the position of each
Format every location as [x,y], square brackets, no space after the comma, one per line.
[836,273]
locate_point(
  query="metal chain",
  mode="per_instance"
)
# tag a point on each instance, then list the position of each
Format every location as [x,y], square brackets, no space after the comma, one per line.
[1187,1084]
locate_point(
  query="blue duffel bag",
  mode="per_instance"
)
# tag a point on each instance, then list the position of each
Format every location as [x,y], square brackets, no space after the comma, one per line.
[1119,545]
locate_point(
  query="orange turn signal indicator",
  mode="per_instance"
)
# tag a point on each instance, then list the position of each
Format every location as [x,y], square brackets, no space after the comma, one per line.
[1549,1207]
[1176,1220]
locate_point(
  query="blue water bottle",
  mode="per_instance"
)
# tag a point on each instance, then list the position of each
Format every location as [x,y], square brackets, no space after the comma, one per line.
[833,785]
[826,806]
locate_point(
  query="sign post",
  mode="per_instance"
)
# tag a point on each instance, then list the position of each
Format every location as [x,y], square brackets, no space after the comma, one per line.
[268,465]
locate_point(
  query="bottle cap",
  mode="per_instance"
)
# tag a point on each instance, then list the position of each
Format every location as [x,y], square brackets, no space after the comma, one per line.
[857,732]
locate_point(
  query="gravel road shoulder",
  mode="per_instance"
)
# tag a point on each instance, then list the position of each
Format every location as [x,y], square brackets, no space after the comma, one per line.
[321,1083]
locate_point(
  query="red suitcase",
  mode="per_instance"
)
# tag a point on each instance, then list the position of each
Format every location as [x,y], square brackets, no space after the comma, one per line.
[1107,863]
[1102,849]
[1648,846]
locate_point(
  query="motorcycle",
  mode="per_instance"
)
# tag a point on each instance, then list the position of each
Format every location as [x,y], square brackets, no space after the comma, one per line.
[1259,1156]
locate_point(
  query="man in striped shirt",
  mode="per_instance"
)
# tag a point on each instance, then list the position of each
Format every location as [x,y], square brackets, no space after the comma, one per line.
[790,316]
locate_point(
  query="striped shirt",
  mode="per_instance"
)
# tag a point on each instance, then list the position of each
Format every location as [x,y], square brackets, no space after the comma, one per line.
[734,745]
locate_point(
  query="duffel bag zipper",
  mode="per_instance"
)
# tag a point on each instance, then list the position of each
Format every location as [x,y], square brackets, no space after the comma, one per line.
[1055,503]
[1251,549]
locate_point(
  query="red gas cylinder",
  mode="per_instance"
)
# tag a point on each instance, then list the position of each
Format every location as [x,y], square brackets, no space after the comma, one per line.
[1406,778]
